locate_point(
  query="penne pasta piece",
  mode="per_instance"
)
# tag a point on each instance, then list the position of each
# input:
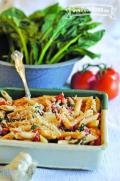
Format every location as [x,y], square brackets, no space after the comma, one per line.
[48,130]
[87,120]
[94,123]
[44,100]
[88,113]
[98,104]
[7,108]
[70,124]
[48,134]
[16,124]
[67,124]
[74,135]
[70,118]
[71,101]
[2,114]
[51,118]
[26,112]
[64,111]
[22,135]
[78,119]
[24,101]
[95,131]
[49,126]
[9,136]
[7,96]
[25,128]
[88,104]
[77,108]
[93,106]
[2,101]
[88,139]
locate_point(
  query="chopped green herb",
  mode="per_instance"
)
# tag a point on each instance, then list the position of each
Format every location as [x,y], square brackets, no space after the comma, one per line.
[34,126]
[1,119]
[82,127]
[38,109]
[70,104]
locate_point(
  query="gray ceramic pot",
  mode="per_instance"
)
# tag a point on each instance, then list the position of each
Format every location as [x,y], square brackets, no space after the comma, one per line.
[38,76]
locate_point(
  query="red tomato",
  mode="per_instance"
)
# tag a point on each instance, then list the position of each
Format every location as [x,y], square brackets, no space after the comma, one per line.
[2,102]
[83,80]
[108,81]
[37,137]
[60,97]
[98,141]
[4,131]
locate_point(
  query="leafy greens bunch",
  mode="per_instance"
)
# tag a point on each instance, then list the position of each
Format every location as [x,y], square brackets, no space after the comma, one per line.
[48,36]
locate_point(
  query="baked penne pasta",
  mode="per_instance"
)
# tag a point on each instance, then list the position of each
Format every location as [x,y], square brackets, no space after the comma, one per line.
[51,119]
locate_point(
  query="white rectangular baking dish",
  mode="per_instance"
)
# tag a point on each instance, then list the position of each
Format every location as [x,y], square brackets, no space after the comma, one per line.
[54,155]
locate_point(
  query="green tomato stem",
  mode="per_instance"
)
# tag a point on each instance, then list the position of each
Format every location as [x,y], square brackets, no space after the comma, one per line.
[100,66]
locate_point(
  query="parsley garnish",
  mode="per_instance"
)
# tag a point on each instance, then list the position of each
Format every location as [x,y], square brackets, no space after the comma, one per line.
[82,127]
[34,126]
